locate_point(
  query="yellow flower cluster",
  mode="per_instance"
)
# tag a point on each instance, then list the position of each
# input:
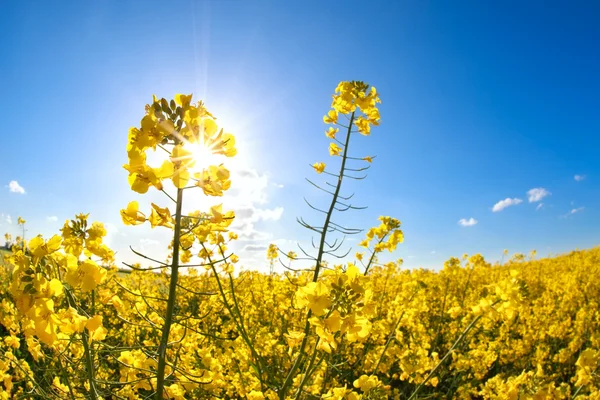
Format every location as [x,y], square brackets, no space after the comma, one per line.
[185,132]
[358,103]
[40,271]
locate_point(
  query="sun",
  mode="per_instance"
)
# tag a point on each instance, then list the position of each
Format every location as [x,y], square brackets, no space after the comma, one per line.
[202,156]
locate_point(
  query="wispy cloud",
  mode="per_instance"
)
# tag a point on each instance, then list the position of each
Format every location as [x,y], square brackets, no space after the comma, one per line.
[537,194]
[539,206]
[52,218]
[579,178]
[255,247]
[573,211]
[502,204]
[5,218]
[467,222]
[14,187]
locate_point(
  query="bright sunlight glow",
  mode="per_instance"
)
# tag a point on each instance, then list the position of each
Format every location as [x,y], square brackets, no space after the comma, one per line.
[203,156]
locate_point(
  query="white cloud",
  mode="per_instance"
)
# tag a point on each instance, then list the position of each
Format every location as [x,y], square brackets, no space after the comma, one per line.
[579,178]
[14,187]
[53,218]
[502,204]
[266,214]
[467,222]
[8,219]
[539,206]
[537,194]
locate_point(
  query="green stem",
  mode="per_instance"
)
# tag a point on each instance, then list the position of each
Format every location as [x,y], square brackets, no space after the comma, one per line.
[439,364]
[89,363]
[63,370]
[164,340]
[392,335]
[308,372]
[236,316]
[333,201]
[89,360]
[373,255]
[288,380]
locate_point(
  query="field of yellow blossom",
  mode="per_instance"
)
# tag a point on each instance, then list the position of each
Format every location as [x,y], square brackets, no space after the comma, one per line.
[192,327]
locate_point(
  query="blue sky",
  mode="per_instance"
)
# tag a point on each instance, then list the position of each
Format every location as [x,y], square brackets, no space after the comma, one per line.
[481,103]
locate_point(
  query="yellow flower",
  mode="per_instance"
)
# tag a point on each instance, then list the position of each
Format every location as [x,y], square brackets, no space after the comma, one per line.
[588,359]
[183,100]
[293,338]
[334,149]
[87,275]
[315,295]
[12,341]
[39,248]
[366,383]
[272,252]
[131,215]
[94,326]
[331,117]
[213,180]
[255,395]
[160,217]
[331,132]
[363,125]
[319,167]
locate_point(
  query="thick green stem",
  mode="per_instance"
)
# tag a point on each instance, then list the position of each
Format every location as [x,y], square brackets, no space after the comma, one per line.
[164,340]
[288,380]
[333,201]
